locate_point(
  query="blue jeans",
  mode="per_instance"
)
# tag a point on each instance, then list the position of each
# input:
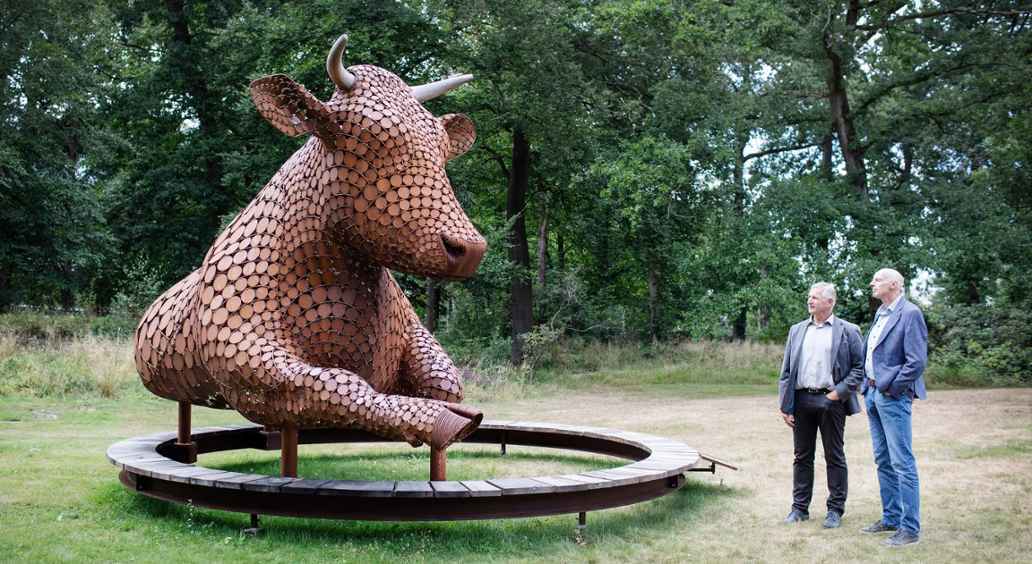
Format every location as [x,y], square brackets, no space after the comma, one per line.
[897,470]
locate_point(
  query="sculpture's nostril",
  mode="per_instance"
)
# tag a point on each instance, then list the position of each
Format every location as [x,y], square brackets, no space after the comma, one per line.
[454,249]
[463,256]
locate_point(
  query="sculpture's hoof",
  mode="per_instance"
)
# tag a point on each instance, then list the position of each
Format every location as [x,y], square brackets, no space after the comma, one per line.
[454,424]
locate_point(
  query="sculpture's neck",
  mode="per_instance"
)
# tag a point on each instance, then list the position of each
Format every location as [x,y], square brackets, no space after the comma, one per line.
[311,195]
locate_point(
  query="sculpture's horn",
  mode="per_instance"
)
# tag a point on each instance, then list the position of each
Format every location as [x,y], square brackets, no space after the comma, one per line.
[335,65]
[425,92]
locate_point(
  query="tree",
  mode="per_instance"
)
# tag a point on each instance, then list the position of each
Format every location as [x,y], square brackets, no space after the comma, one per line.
[55,239]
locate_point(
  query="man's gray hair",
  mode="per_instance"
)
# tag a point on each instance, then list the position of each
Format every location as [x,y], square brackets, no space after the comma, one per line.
[827,290]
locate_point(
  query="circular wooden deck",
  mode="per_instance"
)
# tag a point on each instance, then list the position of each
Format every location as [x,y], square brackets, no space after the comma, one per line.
[657,468]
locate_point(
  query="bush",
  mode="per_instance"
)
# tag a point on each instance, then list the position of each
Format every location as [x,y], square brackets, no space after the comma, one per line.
[32,325]
[39,327]
[980,345]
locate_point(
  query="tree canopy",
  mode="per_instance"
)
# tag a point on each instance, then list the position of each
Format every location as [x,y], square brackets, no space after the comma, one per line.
[644,169]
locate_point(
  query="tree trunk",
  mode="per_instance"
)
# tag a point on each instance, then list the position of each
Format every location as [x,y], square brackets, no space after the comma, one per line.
[520,297]
[542,249]
[738,329]
[741,141]
[838,102]
[433,304]
[827,174]
[653,302]
[973,295]
[186,63]
[560,250]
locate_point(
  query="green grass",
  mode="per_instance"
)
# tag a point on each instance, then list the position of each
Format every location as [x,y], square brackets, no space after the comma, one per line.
[401,462]
[60,500]
[1009,449]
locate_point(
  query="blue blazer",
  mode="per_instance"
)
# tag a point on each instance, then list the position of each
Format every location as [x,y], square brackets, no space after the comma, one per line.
[901,353]
[847,369]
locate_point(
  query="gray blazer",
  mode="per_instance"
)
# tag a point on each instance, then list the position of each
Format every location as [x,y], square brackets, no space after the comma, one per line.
[847,364]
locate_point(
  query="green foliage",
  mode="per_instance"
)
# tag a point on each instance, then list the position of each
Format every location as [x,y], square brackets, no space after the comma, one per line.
[687,174]
[980,344]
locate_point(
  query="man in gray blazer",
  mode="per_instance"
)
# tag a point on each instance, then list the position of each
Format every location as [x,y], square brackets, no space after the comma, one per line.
[895,358]
[820,375]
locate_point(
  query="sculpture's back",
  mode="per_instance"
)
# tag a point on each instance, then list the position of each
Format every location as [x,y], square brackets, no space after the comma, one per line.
[293,317]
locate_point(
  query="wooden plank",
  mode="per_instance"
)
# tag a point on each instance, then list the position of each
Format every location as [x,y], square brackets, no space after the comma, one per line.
[519,486]
[564,484]
[655,465]
[591,482]
[625,475]
[449,488]
[621,477]
[157,469]
[358,488]
[718,461]
[183,475]
[211,480]
[410,488]
[237,480]
[303,486]
[271,484]
[160,437]
[480,488]
[130,461]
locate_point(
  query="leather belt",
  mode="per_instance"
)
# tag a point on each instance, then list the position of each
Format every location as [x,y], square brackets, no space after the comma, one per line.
[814,390]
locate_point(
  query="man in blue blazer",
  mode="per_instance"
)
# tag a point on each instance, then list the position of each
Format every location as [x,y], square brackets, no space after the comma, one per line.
[820,375]
[896,353]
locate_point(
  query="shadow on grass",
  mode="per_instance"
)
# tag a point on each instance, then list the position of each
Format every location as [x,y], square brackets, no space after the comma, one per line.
[525,537]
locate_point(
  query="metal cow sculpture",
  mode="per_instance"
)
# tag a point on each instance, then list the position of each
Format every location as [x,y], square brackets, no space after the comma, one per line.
[293,318]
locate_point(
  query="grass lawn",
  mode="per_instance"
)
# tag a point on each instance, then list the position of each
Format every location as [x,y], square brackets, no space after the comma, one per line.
[60,500]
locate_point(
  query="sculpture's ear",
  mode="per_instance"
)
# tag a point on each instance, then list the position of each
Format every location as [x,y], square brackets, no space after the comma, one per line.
[289,107]
[461,134]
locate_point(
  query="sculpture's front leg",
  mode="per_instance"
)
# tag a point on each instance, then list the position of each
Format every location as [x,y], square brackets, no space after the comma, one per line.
[428,371]
[311,396]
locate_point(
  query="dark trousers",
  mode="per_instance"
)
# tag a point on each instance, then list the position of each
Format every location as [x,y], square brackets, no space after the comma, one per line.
[814,412]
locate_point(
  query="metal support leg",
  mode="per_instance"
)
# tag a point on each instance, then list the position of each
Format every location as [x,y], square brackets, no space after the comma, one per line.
[256,528]
[438,464]
[501,443]
[288,451]
[185,448]
[582,525]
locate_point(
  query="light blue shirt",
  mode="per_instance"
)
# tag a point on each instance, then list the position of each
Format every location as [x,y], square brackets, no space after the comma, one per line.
[880,319]
[815,359]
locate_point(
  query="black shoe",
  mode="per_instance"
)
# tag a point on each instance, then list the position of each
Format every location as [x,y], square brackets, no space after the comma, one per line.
[833,520]
[878,527]
[902,538]
[796,516]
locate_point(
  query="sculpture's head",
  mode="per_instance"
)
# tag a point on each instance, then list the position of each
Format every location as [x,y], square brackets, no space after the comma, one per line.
[379,173]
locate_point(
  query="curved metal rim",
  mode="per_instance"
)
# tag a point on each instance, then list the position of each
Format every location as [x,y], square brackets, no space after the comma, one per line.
[147,467]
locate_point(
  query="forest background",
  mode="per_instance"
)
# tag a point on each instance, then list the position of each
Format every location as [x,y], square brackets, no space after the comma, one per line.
[647,172]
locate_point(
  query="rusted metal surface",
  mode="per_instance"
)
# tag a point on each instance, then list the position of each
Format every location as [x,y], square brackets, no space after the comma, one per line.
[293,317]
[438,464]
[657,468]
[288,451]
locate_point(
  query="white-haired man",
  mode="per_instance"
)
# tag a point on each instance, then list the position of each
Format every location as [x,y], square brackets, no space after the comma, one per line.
[820,375]
[896,353]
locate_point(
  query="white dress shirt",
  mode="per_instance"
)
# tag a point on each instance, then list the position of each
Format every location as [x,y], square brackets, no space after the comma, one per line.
[880,319]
